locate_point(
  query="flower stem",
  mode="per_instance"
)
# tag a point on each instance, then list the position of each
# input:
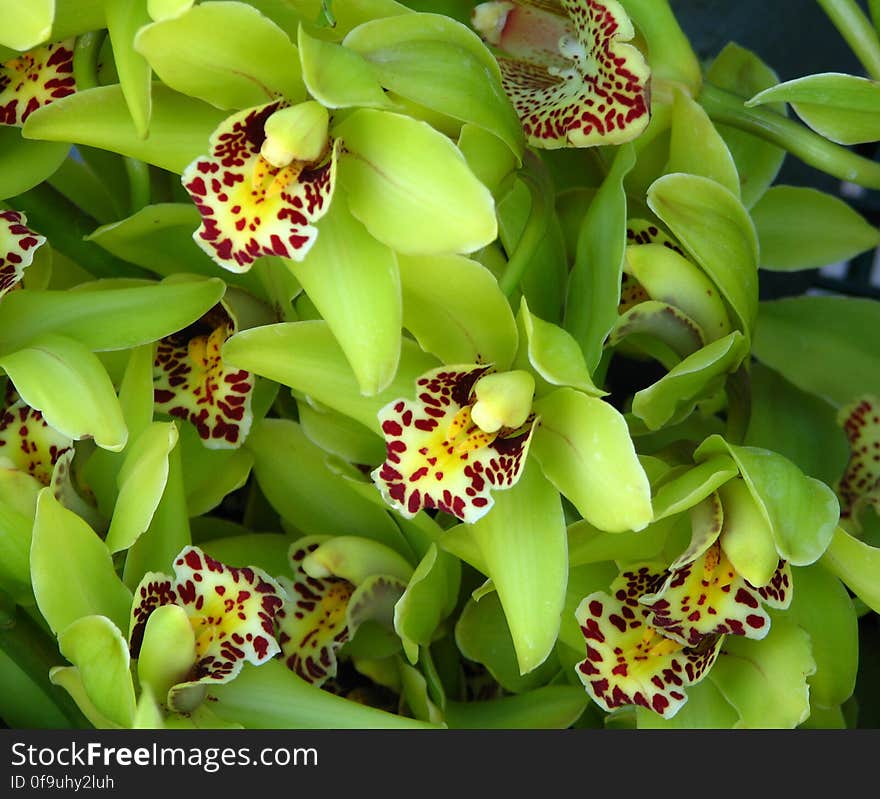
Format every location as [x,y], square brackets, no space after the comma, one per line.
[858,31]
[532,234]
[799,140]
[138,174]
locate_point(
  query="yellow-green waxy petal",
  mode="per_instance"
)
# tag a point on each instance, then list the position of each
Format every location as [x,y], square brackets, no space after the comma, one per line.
[803,228]
[697,148]
[18,498]
[71,569]
[856,564]
[25,163]
[697,377]
[660,323]
[306,357]
[859,485]
[141,483]
[354,282]
[778,667]
[338,77]
[168,651]
[584,447]
[553,353]
[746,537]
[524,545]
[411,186]
[717,231]
[96,647]
[99,117]
[66,382]
[669,277]
[167,9]
[106,318]
[225,53]
[551,707]
[69,678]
[355,559]
[686,490]
[124,19]
[454,308]
[706,709]
[26,24]
[842,108]
[802,512]
[490,159]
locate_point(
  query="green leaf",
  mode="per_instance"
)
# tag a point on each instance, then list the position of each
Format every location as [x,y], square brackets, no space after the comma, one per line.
[141,481]
[100,653]
[748,672]
[822,606]
[781,412]
[584,448]
[438,63]
[857,564]
[802,512]
[71,569]
[523,543]
[715,228]
[225,53]
[842,108]
[338,77]
[354,282]
[26,25]
[295,478]
[270,697]
[455,310]
[180,126]
[697,377]
[106,318]
[553,354]
[66,381]
[306,357]
[594,284]
[124,19]
[758,162]
[697,148]
[823,345]
[551,707]
[482,635]
[802,228]
[411,186]
[24,163]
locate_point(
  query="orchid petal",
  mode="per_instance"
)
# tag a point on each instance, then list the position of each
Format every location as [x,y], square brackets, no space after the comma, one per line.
[35,79]
[427,466]
[192,382]
[17,246]
[628,662]
[242,217]
[583,85]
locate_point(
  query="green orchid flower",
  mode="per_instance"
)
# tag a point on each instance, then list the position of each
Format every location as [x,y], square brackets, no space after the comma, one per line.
[568,70]
[859,485]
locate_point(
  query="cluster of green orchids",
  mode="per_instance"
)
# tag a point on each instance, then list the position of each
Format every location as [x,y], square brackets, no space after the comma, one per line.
[379,365]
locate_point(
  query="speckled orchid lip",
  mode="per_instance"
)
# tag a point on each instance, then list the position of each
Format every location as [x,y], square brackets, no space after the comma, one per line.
[860,483]
[568,71]
[706,597]
[35,79]
[249,207]
[437,457]
[232,612]
[191,381]
[28,441]
[18,243]
[631,662]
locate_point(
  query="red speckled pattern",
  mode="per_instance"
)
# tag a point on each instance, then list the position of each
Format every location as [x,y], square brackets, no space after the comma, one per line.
[232,611]
[250,208]
[860,483]
[28,441]
[629,661]
[18,243]
[34,79]
[438,458]
[600,97]
[191,381]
